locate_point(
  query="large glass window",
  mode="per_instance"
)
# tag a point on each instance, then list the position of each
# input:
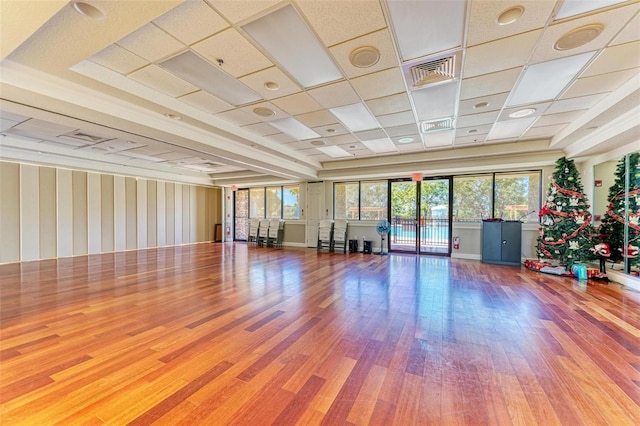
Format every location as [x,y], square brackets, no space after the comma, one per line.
[274,202]
[373,200]
[517,196]
[291,202]
[346,201]
[256,201]
[471,198]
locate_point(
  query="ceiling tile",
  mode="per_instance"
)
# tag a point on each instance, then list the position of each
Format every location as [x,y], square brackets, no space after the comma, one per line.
[317,118]
[347,138]
[379,84]
[559,118]
[483,26]
[381,40]
[240,57]
[610,19]
[574,104]
[510,129]
[495,102]
[151,43]
[371,135]
[331,130]
[437,101]
[338,21]
[115,145]
[601,83]
[6,124]
[473,120]
[277,112]
[504,53]
[6,115]
[475,139]
[239,10]
[403,140]
[257,81]
[404,130]
[40,128]
[206,102]
[238,117]
[630,33]
[389,104]
[489,84]
[473,130]
[202,20]
[540,108]
[118,59]
[397,119]
[616,58]
[410,147]
[438,139]
[280,138]
[173,156]
[299,103]
[163,81]
[262,129]
[334,95]
[543,131]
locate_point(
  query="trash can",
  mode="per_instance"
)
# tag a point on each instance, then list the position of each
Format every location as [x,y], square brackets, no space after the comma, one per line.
[353,246]
[367,247]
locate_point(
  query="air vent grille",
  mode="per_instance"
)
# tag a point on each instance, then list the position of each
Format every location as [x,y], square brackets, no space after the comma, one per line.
[435,71]
[79,134]
[437,125]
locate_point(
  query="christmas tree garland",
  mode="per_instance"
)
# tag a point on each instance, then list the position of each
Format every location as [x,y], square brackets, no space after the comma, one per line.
[621,219]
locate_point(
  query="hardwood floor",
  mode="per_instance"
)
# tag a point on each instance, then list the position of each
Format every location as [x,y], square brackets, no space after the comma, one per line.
[229,334]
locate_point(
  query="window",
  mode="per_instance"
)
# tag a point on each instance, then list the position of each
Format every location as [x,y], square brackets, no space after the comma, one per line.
[291,202]
[274,202]
[373,200]
[510,196]
[346,201]
[471,198]
[256,201]
[517,196]
[360,200]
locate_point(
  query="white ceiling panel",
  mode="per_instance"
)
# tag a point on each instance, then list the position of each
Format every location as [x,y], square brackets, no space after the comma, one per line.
[629,34]
[601,83]
[616,58]
[397,119]
[473,130]
[238,117]
[475,139]
[540,109]
[317,118]
[163,81]
[239,10]
[296,104]
[329,130]
[371,134]
[338,21]
[490,84]
[543,131]
[262,83]
[241,60]
[575,104]
[379,84]
[404,130]
[389,104]
[380,40]
[504,53]
[437,101]
[203,22]
[346,138]
[425,28]
[335,94]
[558,118]
[115,145]
[484,27]
[206,102]
[262,129]
[477,119]
[477,105]
[438,139]
[119,59]
[380,146]
[510,129]
[40,128]
[151,43]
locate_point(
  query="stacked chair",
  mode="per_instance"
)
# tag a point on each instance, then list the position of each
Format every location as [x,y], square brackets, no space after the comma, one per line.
[263,232]
[254,224]
[276,233]
[325,234]
[339,239]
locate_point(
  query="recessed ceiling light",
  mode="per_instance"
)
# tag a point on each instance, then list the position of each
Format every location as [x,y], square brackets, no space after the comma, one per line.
[331,130]
[364,57]
[481,105]
[405,140]
[88,10]
[510,15]
[472,131]
[352,146]
[173,116]
[578,37]
[264,112]
[271,85]
[317,143]
[522,112]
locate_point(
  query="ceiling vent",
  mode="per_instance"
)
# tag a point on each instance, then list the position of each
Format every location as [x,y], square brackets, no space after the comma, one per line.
[83,136]
[437,125]
[432,71]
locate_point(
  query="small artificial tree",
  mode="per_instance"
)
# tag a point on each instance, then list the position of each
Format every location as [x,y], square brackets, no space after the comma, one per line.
[566,235]
[612,228]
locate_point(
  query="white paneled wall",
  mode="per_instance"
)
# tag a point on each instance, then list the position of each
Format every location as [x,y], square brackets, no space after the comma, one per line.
[48,212]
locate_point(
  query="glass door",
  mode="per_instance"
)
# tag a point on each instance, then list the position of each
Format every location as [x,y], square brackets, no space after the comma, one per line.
[420,216]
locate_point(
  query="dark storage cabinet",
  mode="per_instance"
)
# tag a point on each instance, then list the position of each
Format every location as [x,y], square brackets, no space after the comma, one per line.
[501,242]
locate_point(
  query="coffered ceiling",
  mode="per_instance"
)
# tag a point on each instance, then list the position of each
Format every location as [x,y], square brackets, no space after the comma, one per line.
[258,92]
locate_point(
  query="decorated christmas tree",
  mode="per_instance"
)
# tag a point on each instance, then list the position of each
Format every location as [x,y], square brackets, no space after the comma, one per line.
[566,235]
[612,228]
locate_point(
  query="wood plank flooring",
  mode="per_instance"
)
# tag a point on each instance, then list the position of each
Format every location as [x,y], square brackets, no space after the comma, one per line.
[217,334]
